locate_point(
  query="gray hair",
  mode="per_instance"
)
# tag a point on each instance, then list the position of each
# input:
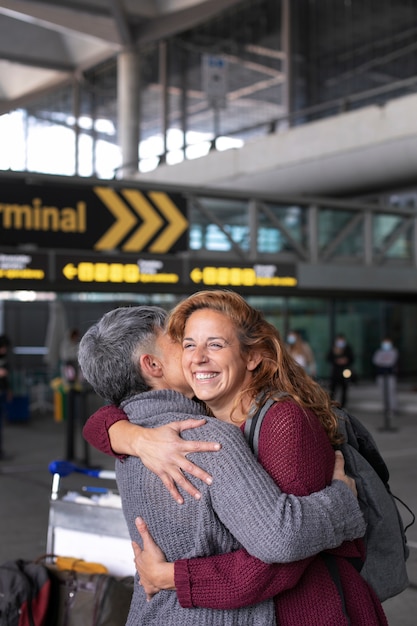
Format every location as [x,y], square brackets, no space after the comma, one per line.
[109,351]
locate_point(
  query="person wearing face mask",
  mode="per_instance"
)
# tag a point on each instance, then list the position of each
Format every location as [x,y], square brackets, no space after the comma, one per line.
[385,360]
[301,352]
[5,387]
[340,357]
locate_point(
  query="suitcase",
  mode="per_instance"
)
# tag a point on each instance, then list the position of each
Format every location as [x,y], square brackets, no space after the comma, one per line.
[17,409]
[89,523]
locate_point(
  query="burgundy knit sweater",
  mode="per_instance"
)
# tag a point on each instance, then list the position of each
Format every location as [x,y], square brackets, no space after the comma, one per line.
[296,452]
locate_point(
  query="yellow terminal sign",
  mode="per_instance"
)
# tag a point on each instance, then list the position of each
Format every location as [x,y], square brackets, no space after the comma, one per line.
[241,276]
[90,272]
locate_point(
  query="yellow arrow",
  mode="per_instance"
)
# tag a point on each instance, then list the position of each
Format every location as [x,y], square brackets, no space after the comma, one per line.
[125,219]
[69,271]
[152,222]
[177,223]
[196,275]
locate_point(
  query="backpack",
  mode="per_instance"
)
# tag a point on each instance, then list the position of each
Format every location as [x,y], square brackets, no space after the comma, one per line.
[385,539]
[25,594]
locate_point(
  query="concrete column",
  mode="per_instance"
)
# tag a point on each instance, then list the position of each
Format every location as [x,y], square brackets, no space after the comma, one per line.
[163,81]
[76,127]
[313,233]
[253,229]
[128,109]
[414,241]
[368,242]
[286,46]
[184,101]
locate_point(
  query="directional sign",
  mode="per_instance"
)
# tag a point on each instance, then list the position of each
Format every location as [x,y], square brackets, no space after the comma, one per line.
[235,275]
[151,222]
[71,215]
[16,269]
[118,272]
[97,271]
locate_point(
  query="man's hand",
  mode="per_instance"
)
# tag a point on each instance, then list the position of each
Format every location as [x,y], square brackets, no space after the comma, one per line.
[339,473]
[163,451]
[155,573]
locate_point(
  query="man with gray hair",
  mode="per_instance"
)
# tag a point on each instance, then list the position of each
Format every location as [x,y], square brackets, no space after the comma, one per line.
[130,361]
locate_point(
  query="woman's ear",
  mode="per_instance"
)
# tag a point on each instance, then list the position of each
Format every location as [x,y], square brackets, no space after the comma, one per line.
[254,358]
[150,366]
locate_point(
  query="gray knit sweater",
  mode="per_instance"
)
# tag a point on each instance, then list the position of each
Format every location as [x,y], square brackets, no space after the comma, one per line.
[243,506]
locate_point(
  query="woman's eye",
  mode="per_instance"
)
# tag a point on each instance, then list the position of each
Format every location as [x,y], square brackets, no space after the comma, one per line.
[187,346]
[215,346]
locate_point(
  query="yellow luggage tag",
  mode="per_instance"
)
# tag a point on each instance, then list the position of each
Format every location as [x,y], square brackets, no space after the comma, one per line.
[79,565]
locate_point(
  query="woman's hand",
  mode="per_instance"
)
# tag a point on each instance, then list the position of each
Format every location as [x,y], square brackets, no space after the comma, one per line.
[155,573]
[339,472]
[163,452]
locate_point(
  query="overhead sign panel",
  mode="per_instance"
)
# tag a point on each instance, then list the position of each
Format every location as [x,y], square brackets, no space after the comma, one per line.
[242,275]
[215,79]
[98,271]
[95,218]
[119,273]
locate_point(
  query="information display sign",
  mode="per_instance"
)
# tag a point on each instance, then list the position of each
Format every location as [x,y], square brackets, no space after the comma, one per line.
[99,217]
[21,267]
[242,275]
[119,273]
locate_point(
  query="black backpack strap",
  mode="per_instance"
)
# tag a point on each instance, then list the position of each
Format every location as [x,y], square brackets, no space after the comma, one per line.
[331,564]
[253,426]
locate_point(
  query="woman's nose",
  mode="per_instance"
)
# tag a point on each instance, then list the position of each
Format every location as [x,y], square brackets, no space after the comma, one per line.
[200,354]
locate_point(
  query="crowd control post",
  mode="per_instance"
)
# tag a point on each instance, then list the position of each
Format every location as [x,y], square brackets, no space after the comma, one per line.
[389,425]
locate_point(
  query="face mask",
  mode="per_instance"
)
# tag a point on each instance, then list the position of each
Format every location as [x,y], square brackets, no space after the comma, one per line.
[386,345]
[340,343]
[291,339]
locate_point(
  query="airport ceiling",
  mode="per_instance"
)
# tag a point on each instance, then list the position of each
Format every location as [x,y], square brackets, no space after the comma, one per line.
[48,43]
[45,43]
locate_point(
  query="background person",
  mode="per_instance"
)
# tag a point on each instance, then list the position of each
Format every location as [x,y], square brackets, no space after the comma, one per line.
[341,358]
[68,354]
[301,352]
[123,360]
[385,360]
[5,387]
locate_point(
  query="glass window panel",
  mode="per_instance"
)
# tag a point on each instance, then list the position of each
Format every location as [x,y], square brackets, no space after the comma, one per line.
[207,234]
[331,224]
[383,227]
[310,316]
[271,238]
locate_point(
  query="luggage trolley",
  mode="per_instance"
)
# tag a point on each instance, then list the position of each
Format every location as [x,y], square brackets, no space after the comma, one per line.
[88,525]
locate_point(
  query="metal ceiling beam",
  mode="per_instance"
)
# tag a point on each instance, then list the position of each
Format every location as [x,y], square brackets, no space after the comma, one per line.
[180,21]
[64,19]
[42,63]
[122,23]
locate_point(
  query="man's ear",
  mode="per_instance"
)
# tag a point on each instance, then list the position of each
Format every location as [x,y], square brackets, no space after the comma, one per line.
[253,360]
[150,365]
